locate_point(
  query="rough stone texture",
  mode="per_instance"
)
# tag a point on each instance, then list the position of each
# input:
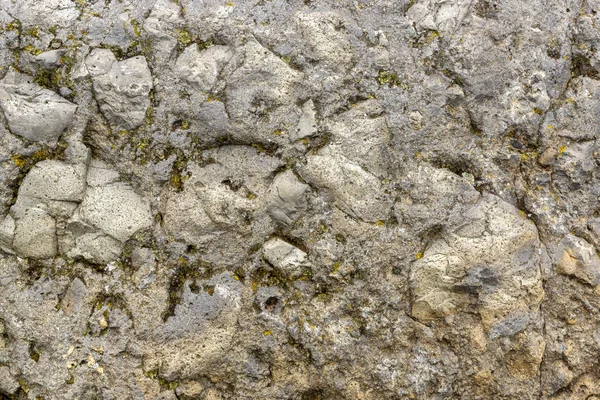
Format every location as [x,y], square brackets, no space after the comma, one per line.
[32,112]
[294,199]
[121,88]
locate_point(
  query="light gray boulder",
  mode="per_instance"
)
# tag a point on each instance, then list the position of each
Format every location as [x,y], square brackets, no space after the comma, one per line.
[494,260]
[355,191]
[116,209]
[122,88]
[55,180]
[35,234]
[576,257]
[32,112]
[201,68]
[287,258]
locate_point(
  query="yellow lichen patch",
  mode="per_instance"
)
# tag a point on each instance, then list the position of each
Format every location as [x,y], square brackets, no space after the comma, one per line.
[34,32]
[13,26]
[561,150]
[538,111]
[19,160]
[251,196]
[389,78]
[267,333]
[380,223]
[137,28]
[336,266]
[230,4]
[183,36]
[431,36]
[32,50]
[419,255]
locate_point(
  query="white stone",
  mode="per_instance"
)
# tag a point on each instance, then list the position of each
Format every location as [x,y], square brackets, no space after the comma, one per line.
[32,112]
[287,258]
[116,209]
[35,235]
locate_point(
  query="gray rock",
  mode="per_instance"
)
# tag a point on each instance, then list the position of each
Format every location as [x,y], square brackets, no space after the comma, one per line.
[307,124]
[477,263]
[32,112]
[116,209]
[299,200]
[55,180]
[95,247]
[286,200]
[35,235]
[287,258]
[356,191]
[7,232]
[576,257]
[201,68]
[121,88]
[8,384]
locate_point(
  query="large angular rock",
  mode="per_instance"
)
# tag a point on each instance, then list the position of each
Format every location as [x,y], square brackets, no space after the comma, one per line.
[361,134]
[493,260]
[35,235]
[55,180]
[576,257]
[355,191]
[121,87]
[116,209]
[32,112]
[201,68]
[287,258]
[203,327]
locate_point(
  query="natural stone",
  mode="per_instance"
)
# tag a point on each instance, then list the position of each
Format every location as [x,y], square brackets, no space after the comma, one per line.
[32,112]
[289,259]
[122,88]
[35,234]
[116,209]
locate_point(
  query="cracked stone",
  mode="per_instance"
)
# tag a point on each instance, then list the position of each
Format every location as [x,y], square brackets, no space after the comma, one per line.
[32,112]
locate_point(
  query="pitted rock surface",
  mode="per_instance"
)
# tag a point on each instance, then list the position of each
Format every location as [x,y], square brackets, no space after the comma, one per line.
[295,199]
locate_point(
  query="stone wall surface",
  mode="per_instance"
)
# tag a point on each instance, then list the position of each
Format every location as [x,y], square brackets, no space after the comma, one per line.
[299,199]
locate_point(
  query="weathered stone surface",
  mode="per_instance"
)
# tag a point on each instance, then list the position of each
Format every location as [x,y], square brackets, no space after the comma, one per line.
[287,199]
[116,209]
[201,68]
[206,199]
[121,88]
[355,191]
[8,384]
[32,112]
[493,261]
[578,258]
[35,234]
[55,180]
[289,259]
